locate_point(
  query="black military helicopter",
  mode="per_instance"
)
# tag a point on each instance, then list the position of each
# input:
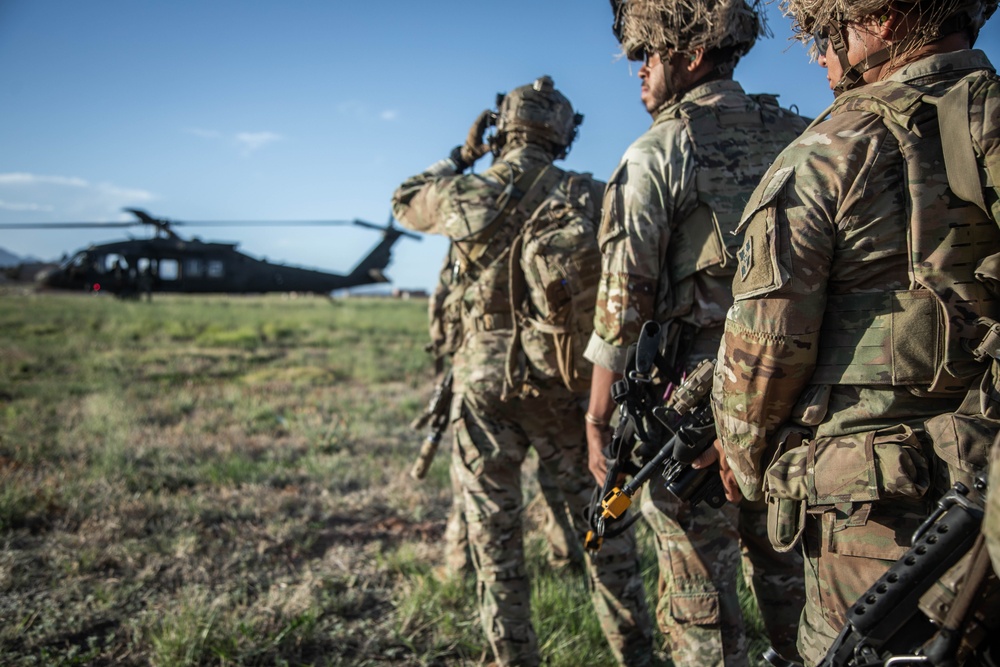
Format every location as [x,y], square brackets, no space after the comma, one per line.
[168,263]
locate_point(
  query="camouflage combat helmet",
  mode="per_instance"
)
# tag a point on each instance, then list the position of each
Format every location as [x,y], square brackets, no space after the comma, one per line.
[821,20]
[540,113]
[727,27]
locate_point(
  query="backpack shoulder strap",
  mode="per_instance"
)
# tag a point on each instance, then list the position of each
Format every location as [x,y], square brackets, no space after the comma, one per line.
[959,154]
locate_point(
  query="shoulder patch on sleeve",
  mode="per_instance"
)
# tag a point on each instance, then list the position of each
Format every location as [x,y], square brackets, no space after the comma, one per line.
[766,191]
[759,269]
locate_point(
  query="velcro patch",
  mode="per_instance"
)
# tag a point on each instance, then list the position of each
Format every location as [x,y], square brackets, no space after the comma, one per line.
[745,255]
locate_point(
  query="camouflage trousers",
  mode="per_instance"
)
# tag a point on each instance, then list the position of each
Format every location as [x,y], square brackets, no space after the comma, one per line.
[776,580]
[491,442]
[991,522]
[847,548]
[699,550]
[564,545]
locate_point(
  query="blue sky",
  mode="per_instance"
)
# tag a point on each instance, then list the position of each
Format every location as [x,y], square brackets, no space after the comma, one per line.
[301,109]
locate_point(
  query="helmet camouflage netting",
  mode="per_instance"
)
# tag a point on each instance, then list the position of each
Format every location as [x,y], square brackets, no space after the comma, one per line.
[659,26]
[808,16]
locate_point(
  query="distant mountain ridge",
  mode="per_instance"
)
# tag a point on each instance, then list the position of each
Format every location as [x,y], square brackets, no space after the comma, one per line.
[7,258]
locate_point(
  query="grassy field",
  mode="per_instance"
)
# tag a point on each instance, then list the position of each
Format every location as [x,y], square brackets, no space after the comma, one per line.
[223,481]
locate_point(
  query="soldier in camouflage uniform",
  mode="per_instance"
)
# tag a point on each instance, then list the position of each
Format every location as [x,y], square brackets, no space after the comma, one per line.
[857,298]
[669,211]
[445,326]
[991,522]
[504,403]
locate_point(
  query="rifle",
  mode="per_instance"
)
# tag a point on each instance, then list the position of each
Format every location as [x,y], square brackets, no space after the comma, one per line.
[670,438]
[435,414]
[884,626]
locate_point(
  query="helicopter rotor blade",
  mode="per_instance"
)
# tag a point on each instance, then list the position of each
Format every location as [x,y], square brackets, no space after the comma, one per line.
[261,223]
[178,223]
[68,225]
[144,218]
[387,228]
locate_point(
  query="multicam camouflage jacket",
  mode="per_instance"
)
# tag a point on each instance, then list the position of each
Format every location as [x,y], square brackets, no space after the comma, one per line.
[837,325]
[669,211]
[486,216]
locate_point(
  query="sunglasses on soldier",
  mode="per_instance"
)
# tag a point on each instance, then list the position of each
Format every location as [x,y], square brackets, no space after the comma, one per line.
[822,39]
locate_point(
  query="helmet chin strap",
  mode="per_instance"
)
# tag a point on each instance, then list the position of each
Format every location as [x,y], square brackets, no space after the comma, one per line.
[853,74]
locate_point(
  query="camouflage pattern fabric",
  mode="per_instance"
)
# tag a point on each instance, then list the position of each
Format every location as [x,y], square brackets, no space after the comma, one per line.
[698,553]
[991,523]
[560,533]
[492,436]
[491,443]
[445,328]
[776,580]
[444,317]
[677,190]
[830,219]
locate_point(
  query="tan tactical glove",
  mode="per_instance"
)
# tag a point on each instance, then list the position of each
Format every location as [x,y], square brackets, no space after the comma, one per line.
[474,147]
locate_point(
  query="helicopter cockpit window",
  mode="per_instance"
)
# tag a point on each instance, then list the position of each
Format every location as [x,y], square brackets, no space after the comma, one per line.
[169,269]
[113,262]
[193,268]
[79,260]
[216,269]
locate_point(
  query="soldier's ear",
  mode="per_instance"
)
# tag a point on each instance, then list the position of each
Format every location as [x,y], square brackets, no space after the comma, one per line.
[889,24]
[695,59]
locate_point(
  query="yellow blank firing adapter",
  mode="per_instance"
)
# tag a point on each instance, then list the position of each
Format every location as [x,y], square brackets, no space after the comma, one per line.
[615,503]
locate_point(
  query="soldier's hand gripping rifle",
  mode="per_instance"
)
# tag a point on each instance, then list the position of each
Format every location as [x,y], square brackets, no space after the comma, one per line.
[670,438]
[885,626]
[435,414]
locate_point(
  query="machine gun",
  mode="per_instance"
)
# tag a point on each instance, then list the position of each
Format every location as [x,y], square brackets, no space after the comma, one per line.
[670,438]
[435,414]
[885,626]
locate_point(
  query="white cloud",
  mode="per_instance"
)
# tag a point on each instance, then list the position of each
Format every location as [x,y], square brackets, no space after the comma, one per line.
[112,191]
[247,142]
[356,109]
[12,206]
[252,141]
[66,195]
[24,179]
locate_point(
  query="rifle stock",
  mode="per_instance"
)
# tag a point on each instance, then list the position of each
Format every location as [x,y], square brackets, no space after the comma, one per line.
[435,414]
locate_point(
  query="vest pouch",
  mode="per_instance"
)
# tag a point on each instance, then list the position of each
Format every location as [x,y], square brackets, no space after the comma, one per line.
[786,517]
[697,245]
[991,521]
[963,443]
[988,350]
[786,520]
[855,469]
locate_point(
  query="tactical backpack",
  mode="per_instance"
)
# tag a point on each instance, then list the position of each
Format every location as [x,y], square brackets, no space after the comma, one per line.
[554,289]
[543,246]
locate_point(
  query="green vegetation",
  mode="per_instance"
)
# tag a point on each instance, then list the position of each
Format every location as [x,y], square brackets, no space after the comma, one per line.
[223,481]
